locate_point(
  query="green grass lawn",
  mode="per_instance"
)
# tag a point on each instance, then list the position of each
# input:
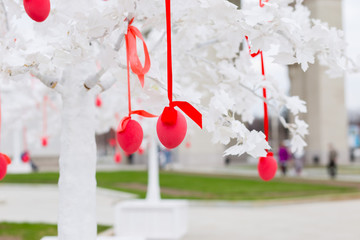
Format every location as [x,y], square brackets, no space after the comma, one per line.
[27,231]
[198,186]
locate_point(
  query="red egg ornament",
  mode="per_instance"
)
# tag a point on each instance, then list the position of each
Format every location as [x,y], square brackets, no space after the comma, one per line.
[25,157]
[129,135]
[38,10]
[117,157]
[44,141]
[267,167]
[4,161]
[112,142]
[98,102]
[171,128]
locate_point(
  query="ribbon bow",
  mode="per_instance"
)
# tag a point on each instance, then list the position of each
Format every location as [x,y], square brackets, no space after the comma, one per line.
[169,114]
[131,49]
[132,59]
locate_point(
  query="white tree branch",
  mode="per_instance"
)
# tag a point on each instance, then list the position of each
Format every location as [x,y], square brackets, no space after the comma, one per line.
[2,5]
[49,81]
[93,80]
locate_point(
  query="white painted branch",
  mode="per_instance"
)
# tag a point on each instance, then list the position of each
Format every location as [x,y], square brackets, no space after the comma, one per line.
[49,81]
[93,80]
[103,84]
[2,5]
[120,42]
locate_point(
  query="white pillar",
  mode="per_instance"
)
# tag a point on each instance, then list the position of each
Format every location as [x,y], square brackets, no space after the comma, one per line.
[153,190]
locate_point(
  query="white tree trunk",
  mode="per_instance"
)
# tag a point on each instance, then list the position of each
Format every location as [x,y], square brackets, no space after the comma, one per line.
[77,182]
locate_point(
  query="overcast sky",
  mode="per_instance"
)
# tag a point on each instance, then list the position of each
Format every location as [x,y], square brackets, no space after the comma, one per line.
[351,18]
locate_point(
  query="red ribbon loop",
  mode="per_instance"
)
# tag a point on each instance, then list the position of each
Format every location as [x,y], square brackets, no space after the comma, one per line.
[266,118]
[143,113]
[251,54]
[131,48]
[189,110]
[132,60]
[186,107]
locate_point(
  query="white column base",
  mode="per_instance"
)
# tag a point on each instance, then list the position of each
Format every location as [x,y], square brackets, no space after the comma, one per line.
[19,167]
[164,219]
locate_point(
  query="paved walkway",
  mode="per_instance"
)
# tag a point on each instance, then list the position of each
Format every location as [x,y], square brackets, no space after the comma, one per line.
[211,221]
[39,203]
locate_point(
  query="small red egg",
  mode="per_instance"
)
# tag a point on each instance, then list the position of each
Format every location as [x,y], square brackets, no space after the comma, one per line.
[267,167]
[171,128]
[4,161]
[98,101]
[129,135]
[117,157]
[25,157]
[44,141]
[38,10]
[112,142]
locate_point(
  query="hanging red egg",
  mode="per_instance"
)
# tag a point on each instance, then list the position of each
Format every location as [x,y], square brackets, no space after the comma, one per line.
[98,101]
[38,10]
[117,157]
[171,128]
[4,161]
[44,141]
[112,142]
[129,135]
[25,157]
[267,167]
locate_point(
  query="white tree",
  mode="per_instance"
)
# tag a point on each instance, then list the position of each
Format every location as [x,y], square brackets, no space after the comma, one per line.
[210,71]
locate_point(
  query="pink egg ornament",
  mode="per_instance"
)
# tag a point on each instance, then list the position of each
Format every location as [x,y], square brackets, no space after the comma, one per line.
[112,142]
[171,128]
[98,102]
[25,157]
[117,158]
[44,141]
[4,161]
[129,135]
[267,167]
[38,10]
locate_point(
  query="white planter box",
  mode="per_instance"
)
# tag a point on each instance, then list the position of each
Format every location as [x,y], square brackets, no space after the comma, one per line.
[152,220]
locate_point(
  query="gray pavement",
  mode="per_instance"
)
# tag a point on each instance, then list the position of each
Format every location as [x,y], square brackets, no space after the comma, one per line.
[209,221]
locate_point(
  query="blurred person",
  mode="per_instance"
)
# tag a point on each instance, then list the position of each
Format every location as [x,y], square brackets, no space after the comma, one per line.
[130,159]
[299,161]
[332,165]
[284,157]
[165,156]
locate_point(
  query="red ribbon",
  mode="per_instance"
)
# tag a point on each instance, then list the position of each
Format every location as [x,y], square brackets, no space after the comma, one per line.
[131,49]
[261,4]
[266,118]
[133,61]
[169,115]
